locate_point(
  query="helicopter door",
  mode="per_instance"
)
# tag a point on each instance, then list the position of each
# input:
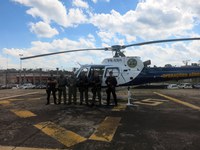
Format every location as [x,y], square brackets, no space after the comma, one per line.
[99,70]
[116,74]
[83,70]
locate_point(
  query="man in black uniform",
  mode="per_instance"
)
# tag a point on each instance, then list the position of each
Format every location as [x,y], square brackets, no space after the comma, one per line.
[51,88]
[83,84]
[72,82]
[96,87]
[111,83]
[62,83]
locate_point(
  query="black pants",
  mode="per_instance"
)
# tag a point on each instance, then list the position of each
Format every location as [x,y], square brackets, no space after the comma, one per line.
[72,92]
[109,91]
[83,90]
[49,91]
[62,91]
[96,91]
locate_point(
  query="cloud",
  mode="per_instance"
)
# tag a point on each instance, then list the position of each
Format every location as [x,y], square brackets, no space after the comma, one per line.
[150,19]
[65,60]
[42,29]
[171,53]
[105,36]
[76,16]
[160,55]
[55,11]
[80,3]
[3,62]
[95,1]
[47,10]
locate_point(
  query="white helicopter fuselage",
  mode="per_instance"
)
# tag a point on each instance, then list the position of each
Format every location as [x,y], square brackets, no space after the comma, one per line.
[132,71]
[125,69]
[128,68]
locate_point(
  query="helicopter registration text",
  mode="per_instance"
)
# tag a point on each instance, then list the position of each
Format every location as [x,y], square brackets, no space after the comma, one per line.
[114,60]
[179,75]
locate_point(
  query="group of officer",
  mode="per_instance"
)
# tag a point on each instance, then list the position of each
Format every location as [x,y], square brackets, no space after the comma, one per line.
[82,83]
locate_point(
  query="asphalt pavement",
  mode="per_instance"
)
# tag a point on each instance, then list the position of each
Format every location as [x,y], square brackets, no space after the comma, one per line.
[158,119]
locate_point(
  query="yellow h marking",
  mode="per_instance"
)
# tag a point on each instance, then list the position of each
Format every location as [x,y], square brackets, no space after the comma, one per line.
[106,129]
[179,101]
[23,113]
[4,102]
[66,137]
[22,148]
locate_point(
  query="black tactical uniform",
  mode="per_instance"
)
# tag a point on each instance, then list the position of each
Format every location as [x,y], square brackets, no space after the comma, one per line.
[51,88]
[96,87]
[72,88]
[83,84]
[62,83]
[111,83]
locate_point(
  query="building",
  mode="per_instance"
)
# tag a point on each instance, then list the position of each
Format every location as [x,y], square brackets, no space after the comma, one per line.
[36,77]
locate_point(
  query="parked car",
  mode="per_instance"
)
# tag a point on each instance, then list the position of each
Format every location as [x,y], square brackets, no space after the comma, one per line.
[8,86]
[172,86]
[196,86]
[15,86]
[27,86]
[185,86]
[42,86]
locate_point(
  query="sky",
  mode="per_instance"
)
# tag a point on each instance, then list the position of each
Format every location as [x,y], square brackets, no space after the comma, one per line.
[32,27]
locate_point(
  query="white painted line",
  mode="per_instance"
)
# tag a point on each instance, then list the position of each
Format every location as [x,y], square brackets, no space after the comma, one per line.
[2,98]
[150,102]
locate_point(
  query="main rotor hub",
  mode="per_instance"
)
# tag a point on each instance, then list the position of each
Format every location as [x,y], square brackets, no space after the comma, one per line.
[117,49]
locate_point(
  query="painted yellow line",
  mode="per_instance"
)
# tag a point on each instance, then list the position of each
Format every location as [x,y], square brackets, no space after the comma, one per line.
[179,101]
[66,137]
[22,148]
[120,107]
[106,129]
[23,113]
[15,99]
[34,98]
[20,99]
[4,102]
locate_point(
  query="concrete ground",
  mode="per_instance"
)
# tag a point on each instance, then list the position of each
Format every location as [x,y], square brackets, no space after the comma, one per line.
[160,119]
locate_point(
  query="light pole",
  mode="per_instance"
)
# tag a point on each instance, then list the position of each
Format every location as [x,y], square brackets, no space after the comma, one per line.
[40,76]
[20,72]
[7,71]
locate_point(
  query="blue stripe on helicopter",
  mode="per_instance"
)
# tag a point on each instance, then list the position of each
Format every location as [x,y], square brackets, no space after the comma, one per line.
[160,74]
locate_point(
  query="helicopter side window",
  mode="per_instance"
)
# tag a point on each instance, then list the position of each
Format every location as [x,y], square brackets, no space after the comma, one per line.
[99,70]
[84,70]
[114,70]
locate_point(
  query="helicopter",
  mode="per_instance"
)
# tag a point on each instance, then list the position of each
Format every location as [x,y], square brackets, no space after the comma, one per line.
[131,70]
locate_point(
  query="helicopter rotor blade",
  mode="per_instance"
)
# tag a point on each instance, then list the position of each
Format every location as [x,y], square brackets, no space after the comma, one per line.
[54,53]
[161,41]
[113,48]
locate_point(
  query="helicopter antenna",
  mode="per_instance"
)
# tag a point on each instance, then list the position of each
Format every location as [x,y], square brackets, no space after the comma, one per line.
[186,62]
[78,63]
